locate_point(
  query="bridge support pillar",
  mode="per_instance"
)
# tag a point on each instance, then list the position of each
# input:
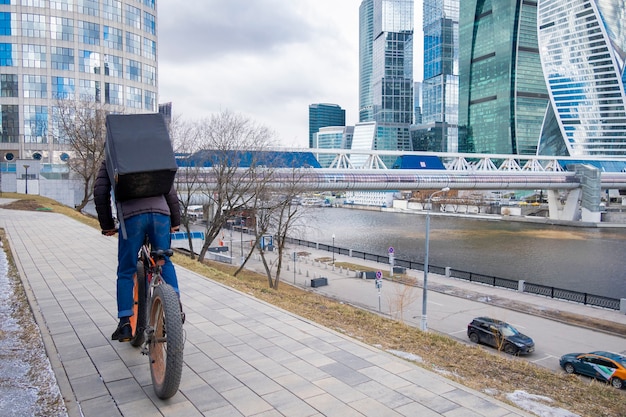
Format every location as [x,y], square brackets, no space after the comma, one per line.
[567,210]
[622,306]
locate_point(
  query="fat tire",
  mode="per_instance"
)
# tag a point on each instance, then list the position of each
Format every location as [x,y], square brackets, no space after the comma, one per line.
[166,358]
[141,311]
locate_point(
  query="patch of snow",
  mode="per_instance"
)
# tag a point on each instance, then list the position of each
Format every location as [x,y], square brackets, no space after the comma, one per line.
[406,355]
[536,405]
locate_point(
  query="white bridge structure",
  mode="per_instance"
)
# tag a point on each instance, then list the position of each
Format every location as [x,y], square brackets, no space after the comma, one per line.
[571,183]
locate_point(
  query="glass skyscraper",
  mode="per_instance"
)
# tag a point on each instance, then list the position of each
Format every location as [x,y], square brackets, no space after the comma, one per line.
[440,88]
[583,44]
[386,71]
[99,51]
[502,92]
[324,115]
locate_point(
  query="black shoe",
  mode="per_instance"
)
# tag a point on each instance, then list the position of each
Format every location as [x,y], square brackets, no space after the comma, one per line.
[123,333]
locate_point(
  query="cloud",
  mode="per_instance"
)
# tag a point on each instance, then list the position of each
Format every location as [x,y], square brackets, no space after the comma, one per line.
[266,59]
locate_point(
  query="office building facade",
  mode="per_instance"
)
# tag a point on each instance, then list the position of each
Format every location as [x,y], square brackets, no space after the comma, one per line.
[386,71]
[324,115]
[438,130]
[582,45]
[89,51]
[502,92]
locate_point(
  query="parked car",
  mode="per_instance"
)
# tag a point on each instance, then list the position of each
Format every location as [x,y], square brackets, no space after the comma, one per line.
[500,335]
[606,366]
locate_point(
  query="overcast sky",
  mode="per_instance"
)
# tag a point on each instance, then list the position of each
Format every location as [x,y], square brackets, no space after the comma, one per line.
[266,59]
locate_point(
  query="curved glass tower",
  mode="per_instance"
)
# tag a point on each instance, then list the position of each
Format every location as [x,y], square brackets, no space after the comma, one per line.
[502,93]
[582,45]
[99,51]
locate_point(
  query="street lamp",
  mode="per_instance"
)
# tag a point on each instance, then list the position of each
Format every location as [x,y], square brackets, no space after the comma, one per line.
[333,251]
[424,322]
[26,166]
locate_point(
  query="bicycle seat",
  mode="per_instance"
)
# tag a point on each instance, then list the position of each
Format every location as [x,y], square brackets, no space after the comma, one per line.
[160,254]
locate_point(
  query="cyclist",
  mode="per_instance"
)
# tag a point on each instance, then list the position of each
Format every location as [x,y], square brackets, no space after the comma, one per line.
[156,217]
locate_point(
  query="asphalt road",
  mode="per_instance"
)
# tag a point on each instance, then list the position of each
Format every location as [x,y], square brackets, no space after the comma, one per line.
[450,314]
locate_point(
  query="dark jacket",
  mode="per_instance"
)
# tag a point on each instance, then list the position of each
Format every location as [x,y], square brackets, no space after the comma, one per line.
[167,204]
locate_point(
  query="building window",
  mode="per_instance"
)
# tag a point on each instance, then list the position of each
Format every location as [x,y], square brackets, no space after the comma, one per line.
[89,62]
[89,33]
[112,38]
[34,56]
[89,90]
[88,7]
[149,49]
[113,66]
[132,16]
[10,122]
[5,24]
[63,88]
[65,5]
[149,3]
[35,86]
[62,58]
[112,10]
[133,70]
[113,94]
[35,3]
[8,57]
[133,43]
[8,85]
[33,25]
[149,75]
[35,124]
[133,97]
[62,28]
[149,100]
[149,23]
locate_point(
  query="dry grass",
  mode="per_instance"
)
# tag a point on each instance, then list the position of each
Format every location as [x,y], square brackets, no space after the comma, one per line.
[472,366]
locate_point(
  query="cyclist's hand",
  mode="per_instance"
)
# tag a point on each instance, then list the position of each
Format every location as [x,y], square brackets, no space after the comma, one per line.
[174,229]
[109,232]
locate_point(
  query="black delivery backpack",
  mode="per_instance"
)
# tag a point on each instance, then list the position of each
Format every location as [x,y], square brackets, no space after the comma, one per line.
[139,155]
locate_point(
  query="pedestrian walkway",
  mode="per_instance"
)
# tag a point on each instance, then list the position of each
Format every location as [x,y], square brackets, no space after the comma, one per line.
[243,357]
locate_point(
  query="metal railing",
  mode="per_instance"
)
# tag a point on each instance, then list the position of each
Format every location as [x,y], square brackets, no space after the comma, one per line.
[527,287]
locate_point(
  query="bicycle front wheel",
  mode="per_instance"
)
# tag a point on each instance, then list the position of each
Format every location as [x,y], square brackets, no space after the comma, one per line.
[166,343]
[138,319]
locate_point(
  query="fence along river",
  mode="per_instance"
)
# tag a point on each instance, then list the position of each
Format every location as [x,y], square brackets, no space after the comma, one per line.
[587,260]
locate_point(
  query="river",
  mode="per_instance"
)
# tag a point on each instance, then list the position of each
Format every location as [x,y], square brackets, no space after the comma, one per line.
[591,260]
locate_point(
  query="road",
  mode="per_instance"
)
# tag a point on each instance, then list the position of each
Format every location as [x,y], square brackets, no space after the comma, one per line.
[449,314]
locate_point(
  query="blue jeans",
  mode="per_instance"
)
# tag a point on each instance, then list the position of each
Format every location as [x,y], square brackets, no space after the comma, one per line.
[157,227]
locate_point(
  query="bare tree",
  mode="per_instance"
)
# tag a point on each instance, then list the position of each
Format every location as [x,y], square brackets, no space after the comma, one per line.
[81,125]
[186,140]
[231,171]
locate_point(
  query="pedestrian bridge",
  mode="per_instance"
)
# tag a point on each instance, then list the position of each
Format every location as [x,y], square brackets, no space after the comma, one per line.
[571,183]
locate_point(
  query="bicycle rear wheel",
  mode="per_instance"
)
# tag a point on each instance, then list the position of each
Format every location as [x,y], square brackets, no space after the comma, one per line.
[138,319]
[166,343]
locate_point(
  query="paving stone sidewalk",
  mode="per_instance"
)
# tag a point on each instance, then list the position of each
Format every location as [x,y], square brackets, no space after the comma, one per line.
[243,357]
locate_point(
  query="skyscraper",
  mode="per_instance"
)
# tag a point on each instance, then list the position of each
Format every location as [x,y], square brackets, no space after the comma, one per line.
[582,45]
[502,92]
[386,71]
[100,51]
[324,115]
[440,89]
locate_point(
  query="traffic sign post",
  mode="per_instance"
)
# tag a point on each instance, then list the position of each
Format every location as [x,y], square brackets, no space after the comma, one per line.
[392,258]
[379,285]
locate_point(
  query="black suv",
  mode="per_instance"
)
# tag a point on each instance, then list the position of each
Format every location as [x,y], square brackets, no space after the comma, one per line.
[500,335]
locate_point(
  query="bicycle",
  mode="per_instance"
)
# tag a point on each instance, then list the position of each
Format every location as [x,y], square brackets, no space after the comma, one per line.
[157,322]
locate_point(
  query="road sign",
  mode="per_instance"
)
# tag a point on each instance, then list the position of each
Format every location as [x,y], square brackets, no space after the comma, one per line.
[390,249]
[379,275]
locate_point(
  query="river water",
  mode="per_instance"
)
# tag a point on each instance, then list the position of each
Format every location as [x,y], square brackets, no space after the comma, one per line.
[591,260]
